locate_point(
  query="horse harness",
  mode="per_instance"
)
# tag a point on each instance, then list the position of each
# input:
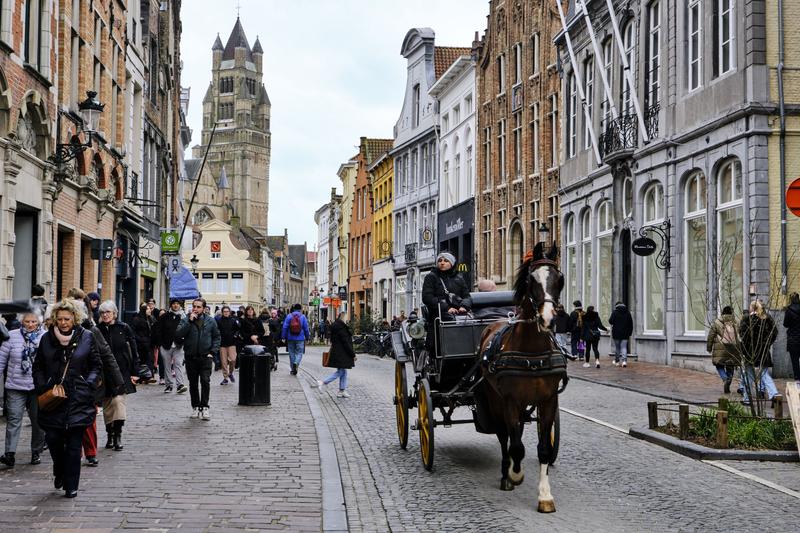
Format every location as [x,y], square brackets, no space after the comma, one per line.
[533,266]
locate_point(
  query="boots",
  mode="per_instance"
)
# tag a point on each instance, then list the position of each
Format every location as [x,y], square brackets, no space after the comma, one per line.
[8,459]
[109,436]
[118,435]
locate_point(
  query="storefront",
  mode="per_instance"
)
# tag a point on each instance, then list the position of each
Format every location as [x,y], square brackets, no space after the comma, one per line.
[456,235]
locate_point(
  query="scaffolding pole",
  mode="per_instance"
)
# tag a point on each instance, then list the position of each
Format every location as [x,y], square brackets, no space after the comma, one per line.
[581,4]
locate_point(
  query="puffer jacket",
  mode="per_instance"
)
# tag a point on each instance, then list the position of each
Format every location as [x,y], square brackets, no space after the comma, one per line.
[11,359]
[757,335]
[82,378]
[791,321]
[721,353]
[199,337]
[435,298]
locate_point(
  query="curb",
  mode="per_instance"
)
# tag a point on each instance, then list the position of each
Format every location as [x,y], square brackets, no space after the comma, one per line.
[633,389]
[334,514]
[696,451]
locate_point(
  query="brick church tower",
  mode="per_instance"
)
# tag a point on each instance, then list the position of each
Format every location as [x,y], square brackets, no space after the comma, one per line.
[237,101]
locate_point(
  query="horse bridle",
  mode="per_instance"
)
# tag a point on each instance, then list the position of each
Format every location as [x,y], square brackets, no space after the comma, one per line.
[533,266]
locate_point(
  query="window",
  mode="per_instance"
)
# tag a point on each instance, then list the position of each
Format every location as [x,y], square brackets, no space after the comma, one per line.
[608,65]
[515,249]
[237,283]
[571,261]
[572,104]
[695,44]
[653,52]
[36,31]
[222,283]
[627,197]
[588,73]
[468,103]
[501,243]
[502,149]
[629,43]
[469,172]
[207,283]
[425,174]
[535,141]
[517,63]
[486,245]
[487,155]
[535,53]
[553,131]
[445,123]
[415,106]
[456,115]
[226,85]
[653,276]
[518,144]
[730,235]
[446,182]
[724,31]
[605,237]
[535,220]
[226,111]
[694,227]
[457,176]
[501,74]
[586,250]
[553,216]
[412,177]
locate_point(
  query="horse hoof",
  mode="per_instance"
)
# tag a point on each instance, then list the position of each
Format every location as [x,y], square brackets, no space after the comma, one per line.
[546,506]
[505,484]
[518,481]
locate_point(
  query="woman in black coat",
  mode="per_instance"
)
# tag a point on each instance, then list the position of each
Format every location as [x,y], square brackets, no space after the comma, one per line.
[122,341]
[791,321]
[591,335]
[67,346]
[229,337]
[142,325]
[444,293]
[342,355]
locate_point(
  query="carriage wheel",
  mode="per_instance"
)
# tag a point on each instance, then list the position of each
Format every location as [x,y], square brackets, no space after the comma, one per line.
[555,434]
[425,424]
[401,402]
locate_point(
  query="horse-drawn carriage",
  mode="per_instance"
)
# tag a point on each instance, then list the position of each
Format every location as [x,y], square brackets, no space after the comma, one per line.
[499,356]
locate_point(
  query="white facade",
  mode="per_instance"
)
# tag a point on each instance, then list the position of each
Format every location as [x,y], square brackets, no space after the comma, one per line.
[322,218]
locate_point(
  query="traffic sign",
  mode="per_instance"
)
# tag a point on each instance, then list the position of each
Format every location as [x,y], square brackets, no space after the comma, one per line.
[793,197]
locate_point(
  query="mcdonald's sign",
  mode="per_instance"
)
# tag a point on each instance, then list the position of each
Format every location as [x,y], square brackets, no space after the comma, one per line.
[462,267]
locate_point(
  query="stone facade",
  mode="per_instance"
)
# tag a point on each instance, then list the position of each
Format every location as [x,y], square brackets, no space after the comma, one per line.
[517,105]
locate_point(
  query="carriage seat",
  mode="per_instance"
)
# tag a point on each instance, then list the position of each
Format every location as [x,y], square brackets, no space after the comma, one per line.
[492,305]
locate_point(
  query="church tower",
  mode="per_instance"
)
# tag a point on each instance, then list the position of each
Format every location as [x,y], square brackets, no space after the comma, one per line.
[237,101]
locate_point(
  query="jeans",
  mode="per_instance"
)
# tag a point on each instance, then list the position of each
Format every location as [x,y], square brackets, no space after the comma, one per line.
[561,340]
[340,373]
[18,401]
[620,350]
[574,339]
[65,449]
[199,370]
[296,349]
[725,372]
[766,384]
[794,355]
[173,360]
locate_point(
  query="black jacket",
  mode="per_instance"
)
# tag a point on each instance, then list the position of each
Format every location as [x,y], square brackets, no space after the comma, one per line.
[342,354]
[592,326]
[757,335]
[228,328]
[575,325]
[435,298]
[199,337]
[166,327]
[250,327]
[83,376]
[561,322]
[112,377]
[121,340]
[791,321]
[142,326]
[621,322]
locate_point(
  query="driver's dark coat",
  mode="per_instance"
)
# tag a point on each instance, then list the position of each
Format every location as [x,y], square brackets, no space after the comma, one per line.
[433,293]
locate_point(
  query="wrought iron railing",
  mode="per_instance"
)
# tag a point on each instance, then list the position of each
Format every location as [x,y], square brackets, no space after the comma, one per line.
[651,120]
[411,253]
[621,134]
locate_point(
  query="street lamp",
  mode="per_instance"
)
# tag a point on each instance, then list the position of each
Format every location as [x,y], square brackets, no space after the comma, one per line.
[90,109]
[194,261]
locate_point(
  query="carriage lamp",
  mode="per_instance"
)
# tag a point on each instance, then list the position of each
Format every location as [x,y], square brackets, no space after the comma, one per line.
[544,233]
[194,261]
[90,110]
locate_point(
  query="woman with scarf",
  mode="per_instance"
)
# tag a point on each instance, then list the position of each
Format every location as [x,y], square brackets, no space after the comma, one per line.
[16,359]
[67,355]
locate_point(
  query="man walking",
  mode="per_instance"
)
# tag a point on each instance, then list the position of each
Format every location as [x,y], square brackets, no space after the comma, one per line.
[199,334]
[295,331]
[575,326]
[171,350]
[621,329]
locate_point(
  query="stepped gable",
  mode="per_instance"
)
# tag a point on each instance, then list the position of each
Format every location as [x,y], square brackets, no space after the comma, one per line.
[444,56]
[236,40]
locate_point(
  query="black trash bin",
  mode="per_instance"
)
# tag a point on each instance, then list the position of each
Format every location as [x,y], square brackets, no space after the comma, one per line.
[254,375]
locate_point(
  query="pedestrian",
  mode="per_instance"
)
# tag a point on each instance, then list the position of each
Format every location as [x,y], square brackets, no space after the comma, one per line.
[12,322]
[791,321]
[122,341]
[199,335]
[142,325]
[445,294]
[228,330]
[322,331]
[295,332]
[275,326]
[38,302]
[757,332]
[328,325]
[621,323]
[560,330]
[723,345]
[17,355]
[591,335]
[576,328]
[94,306]
[342,356]
[67,355]
[172,353]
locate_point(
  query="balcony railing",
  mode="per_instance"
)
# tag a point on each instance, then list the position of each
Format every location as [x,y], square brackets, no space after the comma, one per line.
[621,136]
[651,120]
[411,253]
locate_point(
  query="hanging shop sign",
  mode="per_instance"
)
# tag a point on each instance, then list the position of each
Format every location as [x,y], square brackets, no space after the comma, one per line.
[170,242]
[644,246]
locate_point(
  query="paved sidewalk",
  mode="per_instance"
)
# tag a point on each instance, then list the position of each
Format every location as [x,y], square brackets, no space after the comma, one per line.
[254,468]
[678,384]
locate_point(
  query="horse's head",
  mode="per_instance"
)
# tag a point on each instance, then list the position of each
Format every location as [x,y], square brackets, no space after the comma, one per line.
[539,283]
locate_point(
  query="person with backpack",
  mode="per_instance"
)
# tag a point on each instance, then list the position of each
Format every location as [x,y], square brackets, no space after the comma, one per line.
[791,321]
[575,327]
[295,332]
[621,329]
[723,344]
[591,335]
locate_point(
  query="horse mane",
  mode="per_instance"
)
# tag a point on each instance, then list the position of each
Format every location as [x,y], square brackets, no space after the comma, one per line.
[521,281]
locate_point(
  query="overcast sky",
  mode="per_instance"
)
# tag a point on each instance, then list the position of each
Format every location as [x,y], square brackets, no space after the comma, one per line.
[333,71]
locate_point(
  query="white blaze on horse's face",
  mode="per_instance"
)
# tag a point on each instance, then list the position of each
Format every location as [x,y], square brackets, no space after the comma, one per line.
[547,312]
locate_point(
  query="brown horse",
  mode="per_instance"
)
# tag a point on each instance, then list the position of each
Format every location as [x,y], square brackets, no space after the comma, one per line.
[527,370]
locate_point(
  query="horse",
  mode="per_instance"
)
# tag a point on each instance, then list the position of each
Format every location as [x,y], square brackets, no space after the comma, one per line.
[527,370]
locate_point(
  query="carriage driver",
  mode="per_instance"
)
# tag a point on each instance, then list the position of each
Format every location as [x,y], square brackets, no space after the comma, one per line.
[444,293]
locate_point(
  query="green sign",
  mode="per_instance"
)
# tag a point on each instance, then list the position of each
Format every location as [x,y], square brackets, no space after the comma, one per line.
[170,241]
[315,302]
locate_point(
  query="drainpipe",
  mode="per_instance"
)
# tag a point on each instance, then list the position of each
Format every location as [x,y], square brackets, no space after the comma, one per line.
[784,259]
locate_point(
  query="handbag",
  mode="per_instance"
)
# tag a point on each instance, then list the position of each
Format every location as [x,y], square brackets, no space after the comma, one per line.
[53,397]
[326,357]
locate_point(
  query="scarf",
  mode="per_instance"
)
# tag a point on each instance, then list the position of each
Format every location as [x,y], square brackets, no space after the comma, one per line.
[63,339]
[30,341]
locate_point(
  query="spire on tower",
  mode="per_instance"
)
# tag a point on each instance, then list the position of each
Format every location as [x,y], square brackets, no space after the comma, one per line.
[217,44]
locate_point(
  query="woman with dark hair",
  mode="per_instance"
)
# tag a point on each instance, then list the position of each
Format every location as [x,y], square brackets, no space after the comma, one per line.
[67,355]
[591,335]
[252,328]
[791,321]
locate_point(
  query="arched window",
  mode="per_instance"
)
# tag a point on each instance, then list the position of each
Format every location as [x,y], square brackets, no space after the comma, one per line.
[694,252]
[605,238]
[5,103]
[653,276]
[570,259]
[586,251]
[33,130]
[468,164]
[627,197]
[514,250]
[572,114]
[730,235]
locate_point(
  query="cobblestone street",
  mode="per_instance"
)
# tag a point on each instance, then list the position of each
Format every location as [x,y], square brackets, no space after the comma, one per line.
[258,468]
